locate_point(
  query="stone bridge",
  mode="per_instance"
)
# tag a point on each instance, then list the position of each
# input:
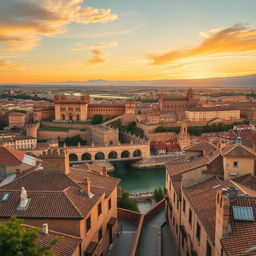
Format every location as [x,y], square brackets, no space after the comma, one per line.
[110,152]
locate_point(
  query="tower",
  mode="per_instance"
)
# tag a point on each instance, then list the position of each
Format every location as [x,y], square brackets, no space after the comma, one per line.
[190,93]
[184,139]
[161,101]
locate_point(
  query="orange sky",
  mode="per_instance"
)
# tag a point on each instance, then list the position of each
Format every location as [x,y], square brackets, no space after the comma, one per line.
[71,40]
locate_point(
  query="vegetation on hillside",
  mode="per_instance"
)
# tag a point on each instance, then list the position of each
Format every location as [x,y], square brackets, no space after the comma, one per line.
[97,119]
[19,110]
[24,97]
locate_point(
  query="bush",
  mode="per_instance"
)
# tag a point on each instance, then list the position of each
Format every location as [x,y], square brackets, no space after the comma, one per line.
[15,239]
[159,194]
[127,203]
[97,119]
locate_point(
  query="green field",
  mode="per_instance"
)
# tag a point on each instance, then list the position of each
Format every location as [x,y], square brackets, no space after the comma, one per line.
[54,128]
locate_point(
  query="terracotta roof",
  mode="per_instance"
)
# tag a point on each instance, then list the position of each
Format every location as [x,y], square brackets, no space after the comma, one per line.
[236,150]
[64,247]
[201,146]
[174,168]
[10,156]
[55,195]
[243,235]
[176,182]
[203,199]
[247,180]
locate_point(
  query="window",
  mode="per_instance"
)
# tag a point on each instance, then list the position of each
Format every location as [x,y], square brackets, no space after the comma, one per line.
[88,224]
[100,234]
[2,171]
[208,249]
[190,217]
[174,197]
[198,232]
[182,240]
[177,204]
[176,229]
[235,164]
[99,209]
[184,205]
[109,204]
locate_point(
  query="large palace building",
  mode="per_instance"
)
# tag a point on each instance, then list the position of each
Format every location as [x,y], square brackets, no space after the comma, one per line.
[79,108]
[177,104]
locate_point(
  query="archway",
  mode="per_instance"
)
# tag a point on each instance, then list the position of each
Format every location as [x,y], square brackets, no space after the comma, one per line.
[112,155]
[137,153]
[63,117]
[73,157]
[125,154]
[99,156]
[78,117]
[70,117]
[86,156]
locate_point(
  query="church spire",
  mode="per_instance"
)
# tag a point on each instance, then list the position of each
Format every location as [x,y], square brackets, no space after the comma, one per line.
[190,93]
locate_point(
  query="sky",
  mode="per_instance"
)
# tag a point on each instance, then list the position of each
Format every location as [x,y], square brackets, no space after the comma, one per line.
[80,40]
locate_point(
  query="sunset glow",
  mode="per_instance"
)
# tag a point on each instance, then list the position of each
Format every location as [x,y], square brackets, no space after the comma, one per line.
[78,40]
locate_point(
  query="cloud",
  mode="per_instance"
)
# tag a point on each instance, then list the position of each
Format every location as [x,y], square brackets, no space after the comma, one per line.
[8,66]
[97,57]
[82,47]
[24,22]
[235,39]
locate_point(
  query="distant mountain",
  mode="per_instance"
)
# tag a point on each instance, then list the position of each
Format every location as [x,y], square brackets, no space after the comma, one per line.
[237,81]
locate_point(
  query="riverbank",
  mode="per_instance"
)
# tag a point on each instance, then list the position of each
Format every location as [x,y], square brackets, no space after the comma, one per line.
[154,161]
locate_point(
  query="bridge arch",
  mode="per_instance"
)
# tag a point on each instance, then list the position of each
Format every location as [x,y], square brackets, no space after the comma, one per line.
[73,157]
[99,156]
[86,156]
[125,154]
[112,155]
[137,153]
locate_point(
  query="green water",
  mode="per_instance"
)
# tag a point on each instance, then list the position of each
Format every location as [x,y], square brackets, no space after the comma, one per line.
[139,180]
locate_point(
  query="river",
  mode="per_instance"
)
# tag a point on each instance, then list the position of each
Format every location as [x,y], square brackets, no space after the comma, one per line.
[139,180]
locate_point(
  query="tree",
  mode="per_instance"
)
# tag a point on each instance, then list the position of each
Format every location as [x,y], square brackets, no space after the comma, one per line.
[158,194]
[18,240]
[97,119]
[127,203]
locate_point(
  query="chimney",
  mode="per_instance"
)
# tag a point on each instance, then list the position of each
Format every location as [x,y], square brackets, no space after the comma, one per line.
[86,189]
[18,172]
[45,228]
[104,171]
[56,159]
[238,141]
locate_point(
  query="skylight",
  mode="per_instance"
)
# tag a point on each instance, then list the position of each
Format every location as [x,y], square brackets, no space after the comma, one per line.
[5,196]
[243,213]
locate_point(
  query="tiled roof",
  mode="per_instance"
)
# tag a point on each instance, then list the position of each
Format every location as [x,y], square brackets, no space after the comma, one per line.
[10,156]
[203,199]
[236,150]
[247,180]
[55,195]
[202,146]
[174,168]
[243,235]
[176,182]
[66,245]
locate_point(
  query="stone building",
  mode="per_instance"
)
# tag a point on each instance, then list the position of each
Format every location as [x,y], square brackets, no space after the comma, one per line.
[73,201]
[224,113]
[79,108]
[18,141]
[16,120]
[104,136]
[43,111]
[177,104]
[208,212]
